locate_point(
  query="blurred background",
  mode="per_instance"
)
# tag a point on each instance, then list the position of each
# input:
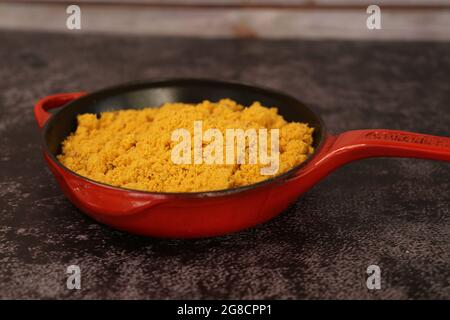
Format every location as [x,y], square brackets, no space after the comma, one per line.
[310,19]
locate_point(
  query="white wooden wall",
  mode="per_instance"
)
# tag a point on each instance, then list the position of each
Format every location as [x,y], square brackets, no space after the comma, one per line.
[316,19]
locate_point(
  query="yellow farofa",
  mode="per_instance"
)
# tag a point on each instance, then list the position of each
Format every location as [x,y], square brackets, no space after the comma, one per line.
[132,148]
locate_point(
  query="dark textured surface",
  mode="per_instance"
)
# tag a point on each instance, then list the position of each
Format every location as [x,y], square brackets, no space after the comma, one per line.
[390,212]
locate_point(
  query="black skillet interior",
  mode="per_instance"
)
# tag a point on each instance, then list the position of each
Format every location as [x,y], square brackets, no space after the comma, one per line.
[154,94]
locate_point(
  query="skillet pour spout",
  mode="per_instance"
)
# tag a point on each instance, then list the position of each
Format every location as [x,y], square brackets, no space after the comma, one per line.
[206,214]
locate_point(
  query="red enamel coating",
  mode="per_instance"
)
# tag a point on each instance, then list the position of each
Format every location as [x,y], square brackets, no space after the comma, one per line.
[194,216]
[51,102]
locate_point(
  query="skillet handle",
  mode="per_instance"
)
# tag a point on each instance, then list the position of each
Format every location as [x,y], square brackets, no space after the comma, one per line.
[50,102]
[359,144]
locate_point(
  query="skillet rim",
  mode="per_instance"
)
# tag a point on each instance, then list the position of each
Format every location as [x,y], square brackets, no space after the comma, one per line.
[167,82]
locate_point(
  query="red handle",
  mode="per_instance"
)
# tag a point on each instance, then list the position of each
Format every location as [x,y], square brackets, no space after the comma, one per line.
[54,101]
[359,144]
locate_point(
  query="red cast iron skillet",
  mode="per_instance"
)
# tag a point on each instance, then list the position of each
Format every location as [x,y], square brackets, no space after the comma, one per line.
[204,214]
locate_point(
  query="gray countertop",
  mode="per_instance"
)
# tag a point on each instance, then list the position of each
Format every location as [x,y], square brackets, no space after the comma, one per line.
[390,212]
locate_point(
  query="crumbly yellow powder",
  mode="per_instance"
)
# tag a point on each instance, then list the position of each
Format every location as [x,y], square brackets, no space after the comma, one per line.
[132,148]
